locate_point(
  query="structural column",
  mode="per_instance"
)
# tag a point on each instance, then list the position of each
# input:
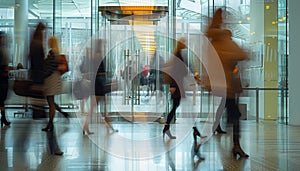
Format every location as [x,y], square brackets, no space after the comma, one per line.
[256,41]
[21,33]
[294,63]
[271,59]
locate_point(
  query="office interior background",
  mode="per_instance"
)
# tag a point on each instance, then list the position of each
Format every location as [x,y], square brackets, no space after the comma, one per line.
[259,26]
[262,27]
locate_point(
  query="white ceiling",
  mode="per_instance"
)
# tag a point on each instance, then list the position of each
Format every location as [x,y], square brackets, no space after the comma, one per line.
[72,8]
[43,8]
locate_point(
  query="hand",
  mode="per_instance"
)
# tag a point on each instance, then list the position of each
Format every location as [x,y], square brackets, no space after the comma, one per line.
[172,90]
[198,80]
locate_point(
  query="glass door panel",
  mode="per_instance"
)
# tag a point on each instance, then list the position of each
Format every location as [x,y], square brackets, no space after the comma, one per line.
[131,43]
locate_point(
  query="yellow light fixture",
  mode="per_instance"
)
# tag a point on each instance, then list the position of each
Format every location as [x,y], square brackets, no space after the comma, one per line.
[137,8]
[267,7]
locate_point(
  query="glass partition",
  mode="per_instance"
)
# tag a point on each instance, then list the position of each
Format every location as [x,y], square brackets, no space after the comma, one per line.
[252,22]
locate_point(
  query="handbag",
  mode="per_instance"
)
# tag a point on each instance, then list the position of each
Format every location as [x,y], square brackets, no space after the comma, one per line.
[82,89]
[104,85]
[28,89]
[63,66]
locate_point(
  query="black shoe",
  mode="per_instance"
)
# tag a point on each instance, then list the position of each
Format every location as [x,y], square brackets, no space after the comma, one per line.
[169,134]
[166,130]
[59,153]
[237,150]
[66,115]
[220,131]
[49,128]
[197,133]
[5,122]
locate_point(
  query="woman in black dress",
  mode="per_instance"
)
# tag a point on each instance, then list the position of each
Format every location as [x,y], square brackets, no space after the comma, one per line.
[3,77]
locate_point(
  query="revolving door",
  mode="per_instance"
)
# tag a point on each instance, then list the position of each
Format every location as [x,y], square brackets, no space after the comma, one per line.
[136,50]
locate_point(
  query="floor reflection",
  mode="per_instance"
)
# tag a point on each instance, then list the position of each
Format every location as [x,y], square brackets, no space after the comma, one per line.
[23,146]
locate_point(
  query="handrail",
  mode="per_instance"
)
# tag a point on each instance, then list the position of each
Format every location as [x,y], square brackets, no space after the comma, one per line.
[257,89]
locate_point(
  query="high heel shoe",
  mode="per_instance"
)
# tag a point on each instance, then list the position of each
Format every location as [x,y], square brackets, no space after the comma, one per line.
[219,130]
[59,153]
[66,115]
[48,128]
[237,150]
[169,134]
[197,133]
[87,132]
[109,126]
[5,122]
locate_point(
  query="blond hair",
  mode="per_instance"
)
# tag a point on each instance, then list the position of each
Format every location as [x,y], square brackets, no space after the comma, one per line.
[53,44]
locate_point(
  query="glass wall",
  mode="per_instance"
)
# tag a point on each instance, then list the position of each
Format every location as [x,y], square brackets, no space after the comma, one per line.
[259,26]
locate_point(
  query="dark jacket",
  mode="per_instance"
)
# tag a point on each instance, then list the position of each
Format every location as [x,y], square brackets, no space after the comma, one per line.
[50,64]
[36,55]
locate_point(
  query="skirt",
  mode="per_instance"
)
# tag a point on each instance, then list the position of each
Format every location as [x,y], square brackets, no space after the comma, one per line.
[53,84]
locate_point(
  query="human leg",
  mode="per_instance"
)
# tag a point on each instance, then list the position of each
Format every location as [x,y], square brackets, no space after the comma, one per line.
[51,103]
[234,114]
[166,130]
[217,126]
[66,115]
[85,128]
[3,116]
[3,96]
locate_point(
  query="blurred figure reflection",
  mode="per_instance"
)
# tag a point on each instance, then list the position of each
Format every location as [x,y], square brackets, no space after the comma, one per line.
[170,156]
[103,84]
[88,70]
[53,83]
[195,152]
[94,70]
[53,145]
[3,77]
[156,64]
[230,54]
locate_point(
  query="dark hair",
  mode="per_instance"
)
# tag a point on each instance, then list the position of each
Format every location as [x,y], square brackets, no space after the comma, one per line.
[2,34]
[2,37]
[217,18]
[38,34]
[20,66]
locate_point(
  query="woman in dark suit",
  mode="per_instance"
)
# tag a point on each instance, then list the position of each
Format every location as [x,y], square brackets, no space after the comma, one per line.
[3,77]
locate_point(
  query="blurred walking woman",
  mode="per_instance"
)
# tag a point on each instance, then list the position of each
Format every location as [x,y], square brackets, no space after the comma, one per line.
[177,73]
[52,84]
[230,54]
[3,77]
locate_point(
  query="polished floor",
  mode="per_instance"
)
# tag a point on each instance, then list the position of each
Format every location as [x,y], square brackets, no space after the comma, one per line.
[140,146]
